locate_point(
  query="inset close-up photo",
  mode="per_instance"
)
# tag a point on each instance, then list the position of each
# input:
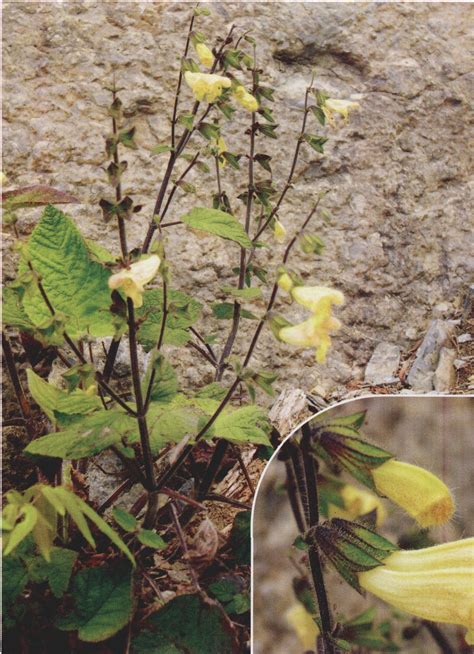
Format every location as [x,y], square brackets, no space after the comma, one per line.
[362,531]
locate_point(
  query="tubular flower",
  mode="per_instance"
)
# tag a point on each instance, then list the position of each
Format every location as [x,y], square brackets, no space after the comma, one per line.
[133,279]
[423,496]
[358,502]
[245,98]
[341,107]
[205,56]
[435,583]
[315,297]
[206,86]
[313,332]
[279,232]
[305,627]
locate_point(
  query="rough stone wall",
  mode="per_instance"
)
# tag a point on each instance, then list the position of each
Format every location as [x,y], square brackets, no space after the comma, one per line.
[398,239]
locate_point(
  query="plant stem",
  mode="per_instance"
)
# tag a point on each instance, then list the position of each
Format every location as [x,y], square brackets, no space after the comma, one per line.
[438,636]
[118,189]
[292,169]
[243,254]
[310,476]
[141,417]
[24,405]
[184,546]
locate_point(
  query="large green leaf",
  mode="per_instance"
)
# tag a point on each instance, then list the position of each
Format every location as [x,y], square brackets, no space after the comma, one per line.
[53,400]
[57,572]
[75,284]
[183,311]
[93,434]
[14,578]
[248,424]
[188,624]
[102,603]
[219,223]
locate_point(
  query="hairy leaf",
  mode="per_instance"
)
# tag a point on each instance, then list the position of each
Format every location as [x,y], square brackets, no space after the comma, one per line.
[35,196]
[247,424]
[53,400]
[188,624]
[219,223]
[103,603]
[75,284]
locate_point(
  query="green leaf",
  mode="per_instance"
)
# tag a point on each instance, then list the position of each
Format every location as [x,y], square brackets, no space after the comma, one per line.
[90,436]
[225,311]
[13,313]
[219,223]
[248,424]
[319,113]
[170,423]
[188,624]
[124,519]
[52,399]
[126,138]
[57,571]
[159,149]
[239,538]
[104,528]
[183,311]
[151,539]
[21,530]
[75,284]
[98,252]
[165,381]
[14,580]
[316,142]
[103,603]
[213,391]
[243,293]
[35,196]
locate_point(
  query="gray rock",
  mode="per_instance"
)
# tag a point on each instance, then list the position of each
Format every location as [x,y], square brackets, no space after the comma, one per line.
[445,376]
[421,375]
[464,338]
[383,364]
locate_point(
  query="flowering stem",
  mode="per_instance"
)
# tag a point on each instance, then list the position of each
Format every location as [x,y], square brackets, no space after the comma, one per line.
[310,477]
[118,188]
[292,169]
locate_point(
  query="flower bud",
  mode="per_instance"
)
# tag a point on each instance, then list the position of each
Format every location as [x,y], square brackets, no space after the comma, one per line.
[279,232]
[435,583]
[205,56]
[358,502]
[420,493]
[305,627]
[285,282]
[133,279]
[245,98]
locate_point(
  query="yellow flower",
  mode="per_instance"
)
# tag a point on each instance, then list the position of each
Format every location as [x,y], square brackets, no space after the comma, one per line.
[435,583]
[133,279]
[423,496]
[314,297]
[279,232]
[205,56]
[245,98]
[206,86]
[305,627]
[341,107]
[313,332]
[285,282]
[358,502]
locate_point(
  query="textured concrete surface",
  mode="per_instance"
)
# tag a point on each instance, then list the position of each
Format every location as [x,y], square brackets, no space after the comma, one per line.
[397,242]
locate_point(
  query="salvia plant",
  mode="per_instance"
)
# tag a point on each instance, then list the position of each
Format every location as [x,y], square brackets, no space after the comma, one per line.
[73,573]
[340,524]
